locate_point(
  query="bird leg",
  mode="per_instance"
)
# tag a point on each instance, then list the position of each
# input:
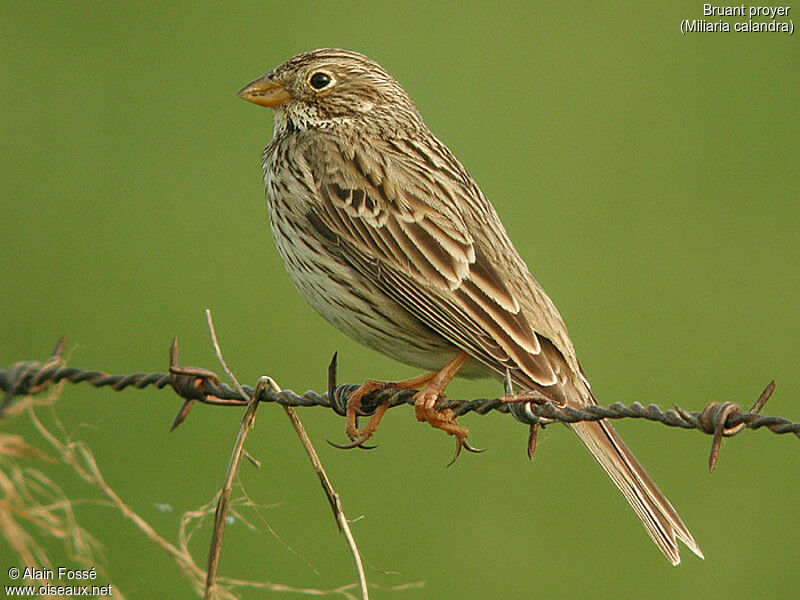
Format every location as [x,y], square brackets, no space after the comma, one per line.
[425,405]
[354,404]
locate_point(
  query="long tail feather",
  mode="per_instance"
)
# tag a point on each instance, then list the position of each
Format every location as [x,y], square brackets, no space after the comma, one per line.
[659,518]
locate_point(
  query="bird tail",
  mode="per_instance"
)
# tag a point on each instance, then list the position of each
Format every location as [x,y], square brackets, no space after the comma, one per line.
[659,518]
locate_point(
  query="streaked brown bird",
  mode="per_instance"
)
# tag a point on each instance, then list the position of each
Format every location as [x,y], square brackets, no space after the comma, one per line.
[388,237]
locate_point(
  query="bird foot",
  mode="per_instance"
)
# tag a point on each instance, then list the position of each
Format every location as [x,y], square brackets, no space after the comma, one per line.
[425,408]
[354,405]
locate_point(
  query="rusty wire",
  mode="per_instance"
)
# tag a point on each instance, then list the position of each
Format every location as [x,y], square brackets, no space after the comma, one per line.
[193,384]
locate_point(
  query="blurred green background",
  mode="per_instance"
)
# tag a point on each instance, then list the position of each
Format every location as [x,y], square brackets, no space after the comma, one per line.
[651,180]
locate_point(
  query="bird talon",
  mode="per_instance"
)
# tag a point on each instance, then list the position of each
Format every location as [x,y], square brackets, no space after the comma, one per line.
[472,449]
[456,454]
[462,444]
[356,443]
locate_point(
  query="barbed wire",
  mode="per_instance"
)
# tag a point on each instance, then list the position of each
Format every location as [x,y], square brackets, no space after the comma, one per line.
[194,384]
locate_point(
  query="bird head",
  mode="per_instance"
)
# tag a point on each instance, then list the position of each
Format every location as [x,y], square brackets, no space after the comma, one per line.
[330,87]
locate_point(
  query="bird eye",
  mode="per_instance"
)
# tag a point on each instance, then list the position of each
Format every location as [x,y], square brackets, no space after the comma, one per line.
[320,80]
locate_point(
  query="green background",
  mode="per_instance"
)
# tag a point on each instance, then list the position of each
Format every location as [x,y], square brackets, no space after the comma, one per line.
[651,180]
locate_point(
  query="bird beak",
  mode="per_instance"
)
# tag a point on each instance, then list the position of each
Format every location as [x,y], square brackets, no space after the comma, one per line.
[264,92]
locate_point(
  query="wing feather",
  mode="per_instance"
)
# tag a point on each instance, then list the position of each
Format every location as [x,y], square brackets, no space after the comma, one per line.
[406,233]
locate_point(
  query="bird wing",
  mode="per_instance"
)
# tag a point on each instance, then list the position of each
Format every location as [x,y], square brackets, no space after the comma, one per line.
[393,212]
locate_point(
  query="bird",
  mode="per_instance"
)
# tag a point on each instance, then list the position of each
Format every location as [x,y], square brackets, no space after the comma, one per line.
[387,236]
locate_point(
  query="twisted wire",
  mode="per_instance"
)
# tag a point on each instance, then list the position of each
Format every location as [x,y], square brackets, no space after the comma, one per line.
[726,418]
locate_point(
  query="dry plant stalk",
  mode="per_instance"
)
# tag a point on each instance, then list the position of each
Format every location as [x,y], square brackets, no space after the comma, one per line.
[233,468]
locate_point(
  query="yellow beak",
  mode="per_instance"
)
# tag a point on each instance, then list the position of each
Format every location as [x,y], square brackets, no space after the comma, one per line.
[264,92]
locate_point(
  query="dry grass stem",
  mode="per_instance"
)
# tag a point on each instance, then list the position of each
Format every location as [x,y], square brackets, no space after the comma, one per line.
[233,467]
[248,419]
[332,495]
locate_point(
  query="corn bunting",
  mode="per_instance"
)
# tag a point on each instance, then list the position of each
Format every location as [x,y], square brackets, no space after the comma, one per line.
[388,237]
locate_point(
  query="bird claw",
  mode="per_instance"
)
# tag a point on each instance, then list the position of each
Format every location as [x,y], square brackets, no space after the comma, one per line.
[462,444]
[472,449]
[356,443]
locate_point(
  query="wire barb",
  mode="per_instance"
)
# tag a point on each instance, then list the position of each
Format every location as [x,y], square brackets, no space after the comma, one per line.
[195,384]
[27,377]
[718,414]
